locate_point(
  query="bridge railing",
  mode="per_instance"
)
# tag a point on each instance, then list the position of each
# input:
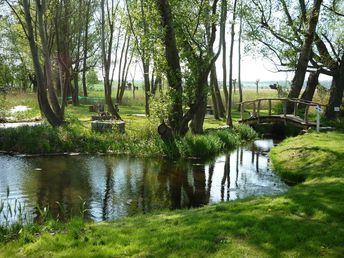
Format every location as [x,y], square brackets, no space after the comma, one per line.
[297,103]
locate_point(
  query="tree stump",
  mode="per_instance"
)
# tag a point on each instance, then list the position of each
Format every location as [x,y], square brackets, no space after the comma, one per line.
[165,132]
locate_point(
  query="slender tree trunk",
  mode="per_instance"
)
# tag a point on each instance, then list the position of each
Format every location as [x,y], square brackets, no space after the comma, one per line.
[229,106]
[145,61]
[302,63]
[239,58]
[84,63]
[224,49]
[124,70]
[146,86]
[119,80]
[126,73]
[106,56]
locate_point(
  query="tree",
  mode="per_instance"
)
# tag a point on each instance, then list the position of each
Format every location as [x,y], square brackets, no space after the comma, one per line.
[107,26]
[229,105]
[173,71]
[195,38]
[311,40]
[51,109]
[305,53]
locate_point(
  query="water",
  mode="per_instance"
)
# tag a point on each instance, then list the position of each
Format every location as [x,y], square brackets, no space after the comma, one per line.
[19,124]
[117,186]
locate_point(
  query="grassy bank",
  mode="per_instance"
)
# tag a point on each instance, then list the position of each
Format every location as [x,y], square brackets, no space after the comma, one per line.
[307,221]
[141,137]
[143,141]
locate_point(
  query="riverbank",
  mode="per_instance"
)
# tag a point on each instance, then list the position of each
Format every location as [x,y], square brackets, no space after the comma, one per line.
[307,221]
[143,141]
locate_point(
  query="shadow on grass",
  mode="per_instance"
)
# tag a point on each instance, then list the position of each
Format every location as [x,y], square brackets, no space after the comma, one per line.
[306,222]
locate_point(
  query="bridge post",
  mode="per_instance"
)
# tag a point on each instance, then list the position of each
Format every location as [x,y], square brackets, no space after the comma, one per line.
[306,114]
[285,108]
[258,110]
[269,107]
[254,109]
[295,108]
[242,111]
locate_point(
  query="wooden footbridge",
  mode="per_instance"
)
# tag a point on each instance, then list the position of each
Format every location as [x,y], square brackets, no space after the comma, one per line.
[262,112]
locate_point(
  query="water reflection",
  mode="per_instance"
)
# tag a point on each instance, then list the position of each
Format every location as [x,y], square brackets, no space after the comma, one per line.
[118,186]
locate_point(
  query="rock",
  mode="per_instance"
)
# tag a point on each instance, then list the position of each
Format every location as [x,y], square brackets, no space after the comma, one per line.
[108,126]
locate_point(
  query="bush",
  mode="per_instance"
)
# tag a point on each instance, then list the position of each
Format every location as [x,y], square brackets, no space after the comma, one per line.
[92,77]
[245,133]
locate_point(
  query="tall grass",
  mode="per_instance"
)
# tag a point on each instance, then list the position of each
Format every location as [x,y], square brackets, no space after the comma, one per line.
[75,137]
[17,221]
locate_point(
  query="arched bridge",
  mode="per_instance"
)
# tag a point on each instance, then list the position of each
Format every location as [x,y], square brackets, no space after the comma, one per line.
[262,111]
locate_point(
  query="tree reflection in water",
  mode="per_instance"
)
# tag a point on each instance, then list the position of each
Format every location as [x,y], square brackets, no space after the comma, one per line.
[61,192]
[117,186]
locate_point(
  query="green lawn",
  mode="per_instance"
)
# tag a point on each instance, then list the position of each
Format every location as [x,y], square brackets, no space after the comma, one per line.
[307,221]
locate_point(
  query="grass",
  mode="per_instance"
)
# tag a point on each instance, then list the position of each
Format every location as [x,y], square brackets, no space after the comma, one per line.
[142,140]
[307,221]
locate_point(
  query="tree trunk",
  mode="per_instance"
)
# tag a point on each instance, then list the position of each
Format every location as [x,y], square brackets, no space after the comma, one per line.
[106,57]
[302,63]
[173,66]
[146,86]
[198,117]
[75,89]
[126,74]
[224,49]
[124,70]
[53,118]
[239,59]
[217,94]
[229,106]
[313,81]
[84,63]
[213,98]
[336,92]
[47,61]
[119,80]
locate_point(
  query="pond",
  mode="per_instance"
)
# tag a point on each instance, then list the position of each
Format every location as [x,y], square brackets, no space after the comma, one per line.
[109,187]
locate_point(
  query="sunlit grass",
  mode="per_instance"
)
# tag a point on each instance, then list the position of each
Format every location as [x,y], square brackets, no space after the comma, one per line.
[307,221]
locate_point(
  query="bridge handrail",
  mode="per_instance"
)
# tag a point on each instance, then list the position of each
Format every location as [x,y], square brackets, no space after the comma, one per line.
[301,101]
[257,102]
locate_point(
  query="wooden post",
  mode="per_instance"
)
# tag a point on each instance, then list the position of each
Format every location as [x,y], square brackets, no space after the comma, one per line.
[258,111]
[295,108]
[242,110]
[254,109]
[269,107]
[306,114]
[285,108]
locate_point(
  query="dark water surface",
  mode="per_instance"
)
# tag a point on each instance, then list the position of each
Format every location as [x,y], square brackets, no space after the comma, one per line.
[117,186]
